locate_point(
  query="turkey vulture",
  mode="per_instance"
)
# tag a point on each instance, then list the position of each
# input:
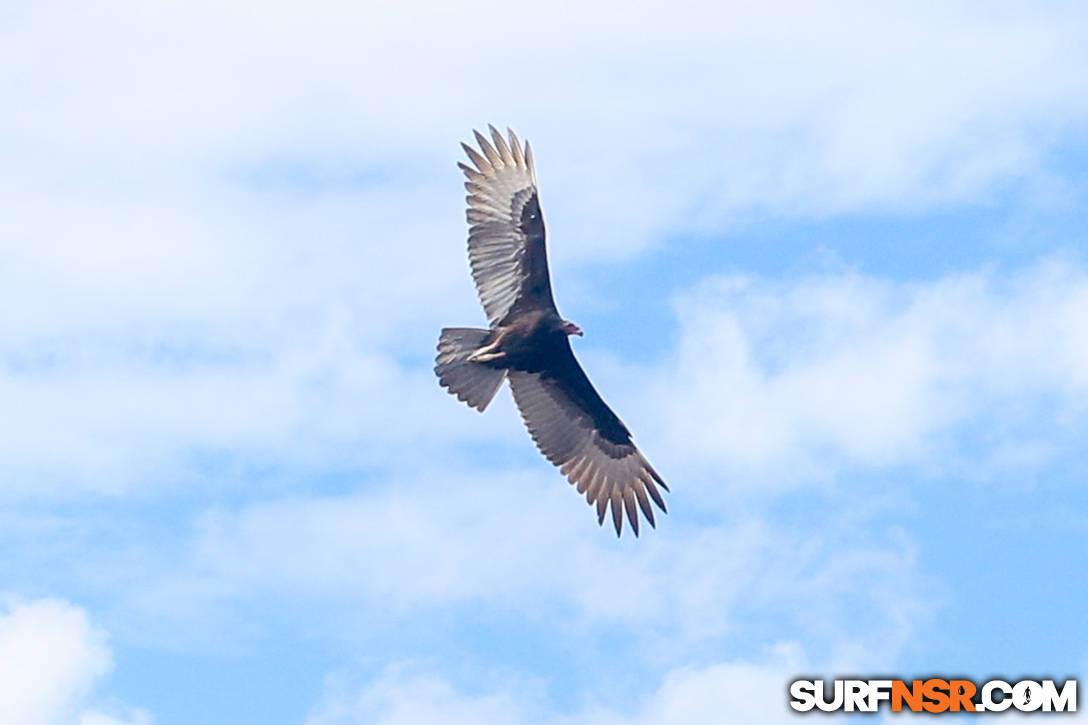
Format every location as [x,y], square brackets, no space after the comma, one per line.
[527,342]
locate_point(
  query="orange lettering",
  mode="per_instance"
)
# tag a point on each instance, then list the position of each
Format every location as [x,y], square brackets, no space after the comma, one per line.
[961,692]
[911,695]
[936,691]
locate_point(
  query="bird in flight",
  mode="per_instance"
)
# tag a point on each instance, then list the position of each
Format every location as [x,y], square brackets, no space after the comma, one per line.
[527,342]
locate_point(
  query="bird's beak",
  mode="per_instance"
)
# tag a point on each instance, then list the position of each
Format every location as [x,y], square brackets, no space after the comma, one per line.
[572,329]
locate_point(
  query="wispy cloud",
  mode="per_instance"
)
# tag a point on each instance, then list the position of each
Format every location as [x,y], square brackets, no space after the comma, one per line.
[514,546]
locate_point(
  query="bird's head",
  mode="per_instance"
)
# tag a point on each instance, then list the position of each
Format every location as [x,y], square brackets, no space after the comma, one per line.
[570,328]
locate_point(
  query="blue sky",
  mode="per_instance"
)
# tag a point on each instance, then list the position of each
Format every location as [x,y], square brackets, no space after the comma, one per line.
[830,266]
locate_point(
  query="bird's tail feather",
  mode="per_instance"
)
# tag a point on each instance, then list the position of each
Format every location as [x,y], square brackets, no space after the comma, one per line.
[472,382]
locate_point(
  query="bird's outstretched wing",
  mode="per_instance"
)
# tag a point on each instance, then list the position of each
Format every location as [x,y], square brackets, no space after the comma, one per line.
[506,229]
[577,431]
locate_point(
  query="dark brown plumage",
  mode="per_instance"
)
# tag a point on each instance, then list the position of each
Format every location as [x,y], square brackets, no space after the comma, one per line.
[528,342]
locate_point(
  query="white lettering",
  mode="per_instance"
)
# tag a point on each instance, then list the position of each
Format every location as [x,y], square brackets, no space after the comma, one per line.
[803,693]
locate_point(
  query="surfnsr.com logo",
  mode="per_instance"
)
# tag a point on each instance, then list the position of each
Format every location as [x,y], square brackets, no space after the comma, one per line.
[934,695]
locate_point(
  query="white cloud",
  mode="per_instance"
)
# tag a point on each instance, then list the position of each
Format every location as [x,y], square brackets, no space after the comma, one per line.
[781,103]
[51,658]
[746,691]
[526,546]
[735,691]
[787,379]
[401,698]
